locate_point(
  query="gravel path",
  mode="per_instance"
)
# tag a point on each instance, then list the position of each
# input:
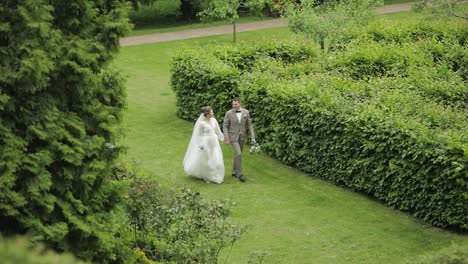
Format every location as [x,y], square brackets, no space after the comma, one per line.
[220,30]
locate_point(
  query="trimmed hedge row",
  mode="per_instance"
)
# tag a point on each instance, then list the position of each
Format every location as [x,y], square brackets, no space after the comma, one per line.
[443,42]
[412,63]
[392,144]
[198,79]
[391,31]
[377,136]
[213,74]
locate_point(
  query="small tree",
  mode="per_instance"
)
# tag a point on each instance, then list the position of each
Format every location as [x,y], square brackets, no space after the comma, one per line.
[325,21]
[447,7]
[229,10]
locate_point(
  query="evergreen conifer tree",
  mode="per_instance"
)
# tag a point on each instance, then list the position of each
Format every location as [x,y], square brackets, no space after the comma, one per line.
[61,105]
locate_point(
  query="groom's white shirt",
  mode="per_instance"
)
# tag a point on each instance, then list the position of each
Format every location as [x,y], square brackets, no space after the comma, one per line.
[239,115]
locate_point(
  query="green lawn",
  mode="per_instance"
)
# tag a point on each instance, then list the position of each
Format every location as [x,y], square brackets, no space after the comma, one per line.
[297,217]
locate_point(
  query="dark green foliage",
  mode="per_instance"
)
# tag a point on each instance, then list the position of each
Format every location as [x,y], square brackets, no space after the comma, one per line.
[386,119]
[206,82]
[212,78]
[414,67]
[390,143]
[60,109]
[440,42]
[156,13]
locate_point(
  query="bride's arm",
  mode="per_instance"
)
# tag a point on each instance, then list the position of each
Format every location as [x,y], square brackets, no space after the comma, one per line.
[218,130]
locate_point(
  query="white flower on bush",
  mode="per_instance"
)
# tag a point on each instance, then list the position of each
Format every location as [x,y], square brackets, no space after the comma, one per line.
[109,145]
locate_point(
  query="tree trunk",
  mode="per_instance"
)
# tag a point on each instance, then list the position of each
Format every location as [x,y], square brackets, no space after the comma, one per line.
[187,10]
[234,31]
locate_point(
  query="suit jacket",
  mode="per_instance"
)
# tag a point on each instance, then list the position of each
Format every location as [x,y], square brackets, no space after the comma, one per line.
[235,130]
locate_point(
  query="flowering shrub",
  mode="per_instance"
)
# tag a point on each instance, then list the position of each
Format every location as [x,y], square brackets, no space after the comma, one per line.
[178,226]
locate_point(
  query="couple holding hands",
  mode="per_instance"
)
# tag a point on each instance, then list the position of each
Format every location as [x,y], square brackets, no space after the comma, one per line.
[204,158]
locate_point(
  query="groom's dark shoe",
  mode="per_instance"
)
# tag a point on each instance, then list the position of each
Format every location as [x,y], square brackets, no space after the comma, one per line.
[234,175]
[242,178]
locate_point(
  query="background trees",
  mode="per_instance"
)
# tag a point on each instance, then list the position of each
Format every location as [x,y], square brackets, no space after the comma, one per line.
[229,10]
[325,21]
[447,7]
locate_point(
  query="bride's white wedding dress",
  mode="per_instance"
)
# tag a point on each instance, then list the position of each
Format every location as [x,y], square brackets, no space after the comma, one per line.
[204,158]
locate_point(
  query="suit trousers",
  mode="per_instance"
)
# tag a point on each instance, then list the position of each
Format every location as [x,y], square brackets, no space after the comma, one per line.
[237,167]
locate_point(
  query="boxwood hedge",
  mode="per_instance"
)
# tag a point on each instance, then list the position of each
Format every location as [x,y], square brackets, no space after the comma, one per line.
[212,75]
[393,136]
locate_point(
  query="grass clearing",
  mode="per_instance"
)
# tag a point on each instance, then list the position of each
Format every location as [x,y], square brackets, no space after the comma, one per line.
[297,217]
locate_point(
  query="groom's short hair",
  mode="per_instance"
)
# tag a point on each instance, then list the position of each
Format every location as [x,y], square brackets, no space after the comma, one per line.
[237,99]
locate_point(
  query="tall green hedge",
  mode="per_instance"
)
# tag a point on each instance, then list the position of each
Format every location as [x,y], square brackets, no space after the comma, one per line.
[392,136]
[206,80]
[60,110]
[211,76]
[395,145]
[413,64]
[444,41]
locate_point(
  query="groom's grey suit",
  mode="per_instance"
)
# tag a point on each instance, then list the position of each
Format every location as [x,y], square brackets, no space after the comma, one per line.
[234,130]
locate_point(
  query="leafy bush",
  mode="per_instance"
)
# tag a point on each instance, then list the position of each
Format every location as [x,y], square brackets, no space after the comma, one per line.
[244,56]
[200,77]
[393,144]
[207,80]
[444,42]
[177,227]
[412,66]
[158,12]
[362,61]
[396,32]
[387,132]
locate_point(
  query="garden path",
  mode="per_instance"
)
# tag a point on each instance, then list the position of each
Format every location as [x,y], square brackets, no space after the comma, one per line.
[226,29]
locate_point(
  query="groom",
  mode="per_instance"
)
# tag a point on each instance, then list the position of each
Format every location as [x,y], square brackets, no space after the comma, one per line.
[234,128]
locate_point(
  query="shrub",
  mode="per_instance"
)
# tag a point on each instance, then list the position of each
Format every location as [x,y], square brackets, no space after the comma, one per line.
[158,12]
[200,79]
[212,78]
[244,56]
[433,69]
[178,227]
[391,144]
[362,61]
[444,41]
[397,32]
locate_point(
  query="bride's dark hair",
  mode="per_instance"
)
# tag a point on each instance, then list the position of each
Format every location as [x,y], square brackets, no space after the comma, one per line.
[205,110]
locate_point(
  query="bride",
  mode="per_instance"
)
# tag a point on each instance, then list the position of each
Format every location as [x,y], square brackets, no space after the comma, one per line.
[204,158]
